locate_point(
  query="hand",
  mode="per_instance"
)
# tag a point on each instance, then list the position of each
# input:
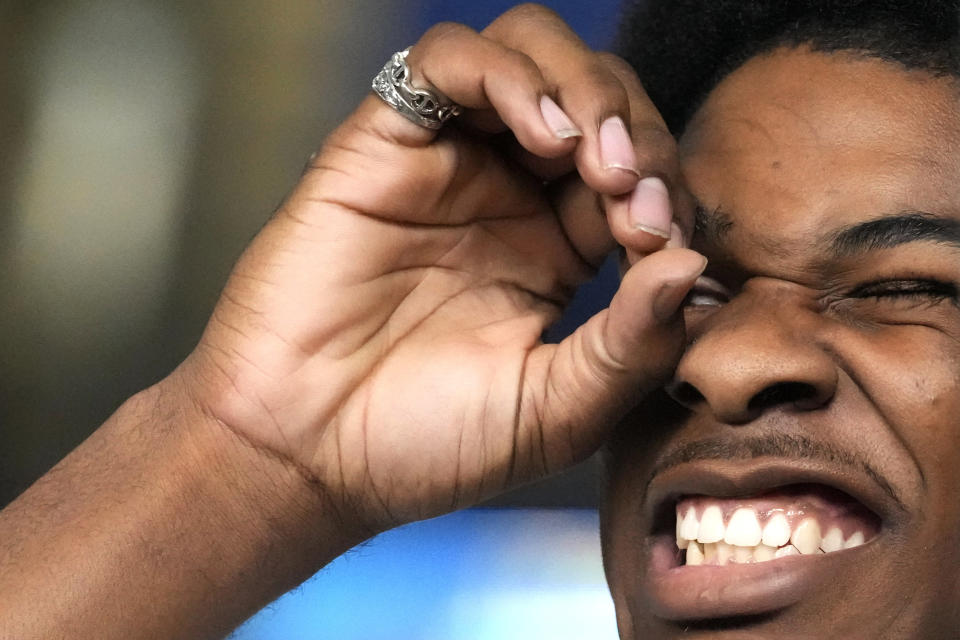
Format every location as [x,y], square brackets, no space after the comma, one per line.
[382,332]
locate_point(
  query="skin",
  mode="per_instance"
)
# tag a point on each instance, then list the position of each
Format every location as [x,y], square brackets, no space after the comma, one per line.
[375,356]
[793,147]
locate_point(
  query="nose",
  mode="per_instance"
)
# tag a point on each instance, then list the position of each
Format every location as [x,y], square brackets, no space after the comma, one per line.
[757,353]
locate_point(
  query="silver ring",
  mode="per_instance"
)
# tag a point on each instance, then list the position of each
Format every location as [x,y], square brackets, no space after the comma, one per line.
[421,106]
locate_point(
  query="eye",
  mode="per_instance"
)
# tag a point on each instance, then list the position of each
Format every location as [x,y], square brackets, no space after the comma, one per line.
[707,292]
[922,289]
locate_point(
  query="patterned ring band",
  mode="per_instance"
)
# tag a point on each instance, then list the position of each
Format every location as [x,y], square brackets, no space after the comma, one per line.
[421,106]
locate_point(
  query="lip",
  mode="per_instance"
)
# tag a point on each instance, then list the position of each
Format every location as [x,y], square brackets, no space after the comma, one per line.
[711,592]
[706,592]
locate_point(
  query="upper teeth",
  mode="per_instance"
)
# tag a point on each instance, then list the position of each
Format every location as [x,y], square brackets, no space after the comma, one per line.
[743,530]
[776,532]
[711,525]
[742,539]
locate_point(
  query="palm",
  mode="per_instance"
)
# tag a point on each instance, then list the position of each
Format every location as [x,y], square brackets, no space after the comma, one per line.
[407,362]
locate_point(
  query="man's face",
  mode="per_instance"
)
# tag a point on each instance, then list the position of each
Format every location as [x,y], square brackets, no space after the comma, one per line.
[817,406]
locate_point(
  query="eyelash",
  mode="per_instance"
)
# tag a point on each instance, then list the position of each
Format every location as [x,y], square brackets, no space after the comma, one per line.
[934,290]
[927,288]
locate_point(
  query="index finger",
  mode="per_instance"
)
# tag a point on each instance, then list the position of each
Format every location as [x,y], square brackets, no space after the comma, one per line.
[660,202]
[593,94]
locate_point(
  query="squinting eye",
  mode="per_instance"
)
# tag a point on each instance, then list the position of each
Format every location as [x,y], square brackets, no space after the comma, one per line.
[933,290]
[707,292]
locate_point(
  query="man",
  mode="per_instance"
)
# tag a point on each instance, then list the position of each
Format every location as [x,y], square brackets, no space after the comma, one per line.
[375,357]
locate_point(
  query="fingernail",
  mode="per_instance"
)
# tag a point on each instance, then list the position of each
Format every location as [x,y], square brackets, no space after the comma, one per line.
[616,147]
[672,293]
[677,239]
[561,125]
[649,208]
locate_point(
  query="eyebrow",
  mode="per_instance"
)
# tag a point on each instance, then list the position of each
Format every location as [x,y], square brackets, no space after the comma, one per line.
[884,232]
[893,231]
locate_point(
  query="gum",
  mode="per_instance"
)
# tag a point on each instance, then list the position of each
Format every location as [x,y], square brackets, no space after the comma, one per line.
[830,508]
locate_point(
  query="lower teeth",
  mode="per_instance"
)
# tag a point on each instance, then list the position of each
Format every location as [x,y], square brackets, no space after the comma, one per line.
[721,553]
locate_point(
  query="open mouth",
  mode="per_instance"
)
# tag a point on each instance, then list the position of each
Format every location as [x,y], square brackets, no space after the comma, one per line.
[801,519]
[731,539]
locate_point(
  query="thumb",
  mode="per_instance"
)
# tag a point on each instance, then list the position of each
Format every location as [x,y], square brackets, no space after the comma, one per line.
[575,391]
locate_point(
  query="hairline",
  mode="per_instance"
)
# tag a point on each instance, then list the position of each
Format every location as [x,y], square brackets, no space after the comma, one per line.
[737,60]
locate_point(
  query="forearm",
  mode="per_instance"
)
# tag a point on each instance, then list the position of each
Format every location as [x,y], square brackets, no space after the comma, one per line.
[163,524]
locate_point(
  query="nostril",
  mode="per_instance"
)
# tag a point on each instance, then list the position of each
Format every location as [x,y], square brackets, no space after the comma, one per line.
[799,393]
[685,394]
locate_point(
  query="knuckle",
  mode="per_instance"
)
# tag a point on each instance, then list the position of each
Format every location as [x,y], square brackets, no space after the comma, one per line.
[658,162]
[655,133]
[657,152]
[615,63]
[522,66]
[531,11]
[527,20]
[611,91]
[656,138]
[443,32]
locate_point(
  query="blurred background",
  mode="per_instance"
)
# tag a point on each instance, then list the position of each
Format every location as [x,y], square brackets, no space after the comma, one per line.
[145,142]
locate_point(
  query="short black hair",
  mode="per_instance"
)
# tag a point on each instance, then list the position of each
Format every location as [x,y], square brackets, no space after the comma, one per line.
[682,48]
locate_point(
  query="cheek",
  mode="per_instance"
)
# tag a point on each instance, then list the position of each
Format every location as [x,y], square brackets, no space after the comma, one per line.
[911,375]
[630,457]
[620,541]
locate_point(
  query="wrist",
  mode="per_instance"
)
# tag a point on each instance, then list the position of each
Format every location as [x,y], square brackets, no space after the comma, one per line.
[169,525]
[286,518]
[224,527]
